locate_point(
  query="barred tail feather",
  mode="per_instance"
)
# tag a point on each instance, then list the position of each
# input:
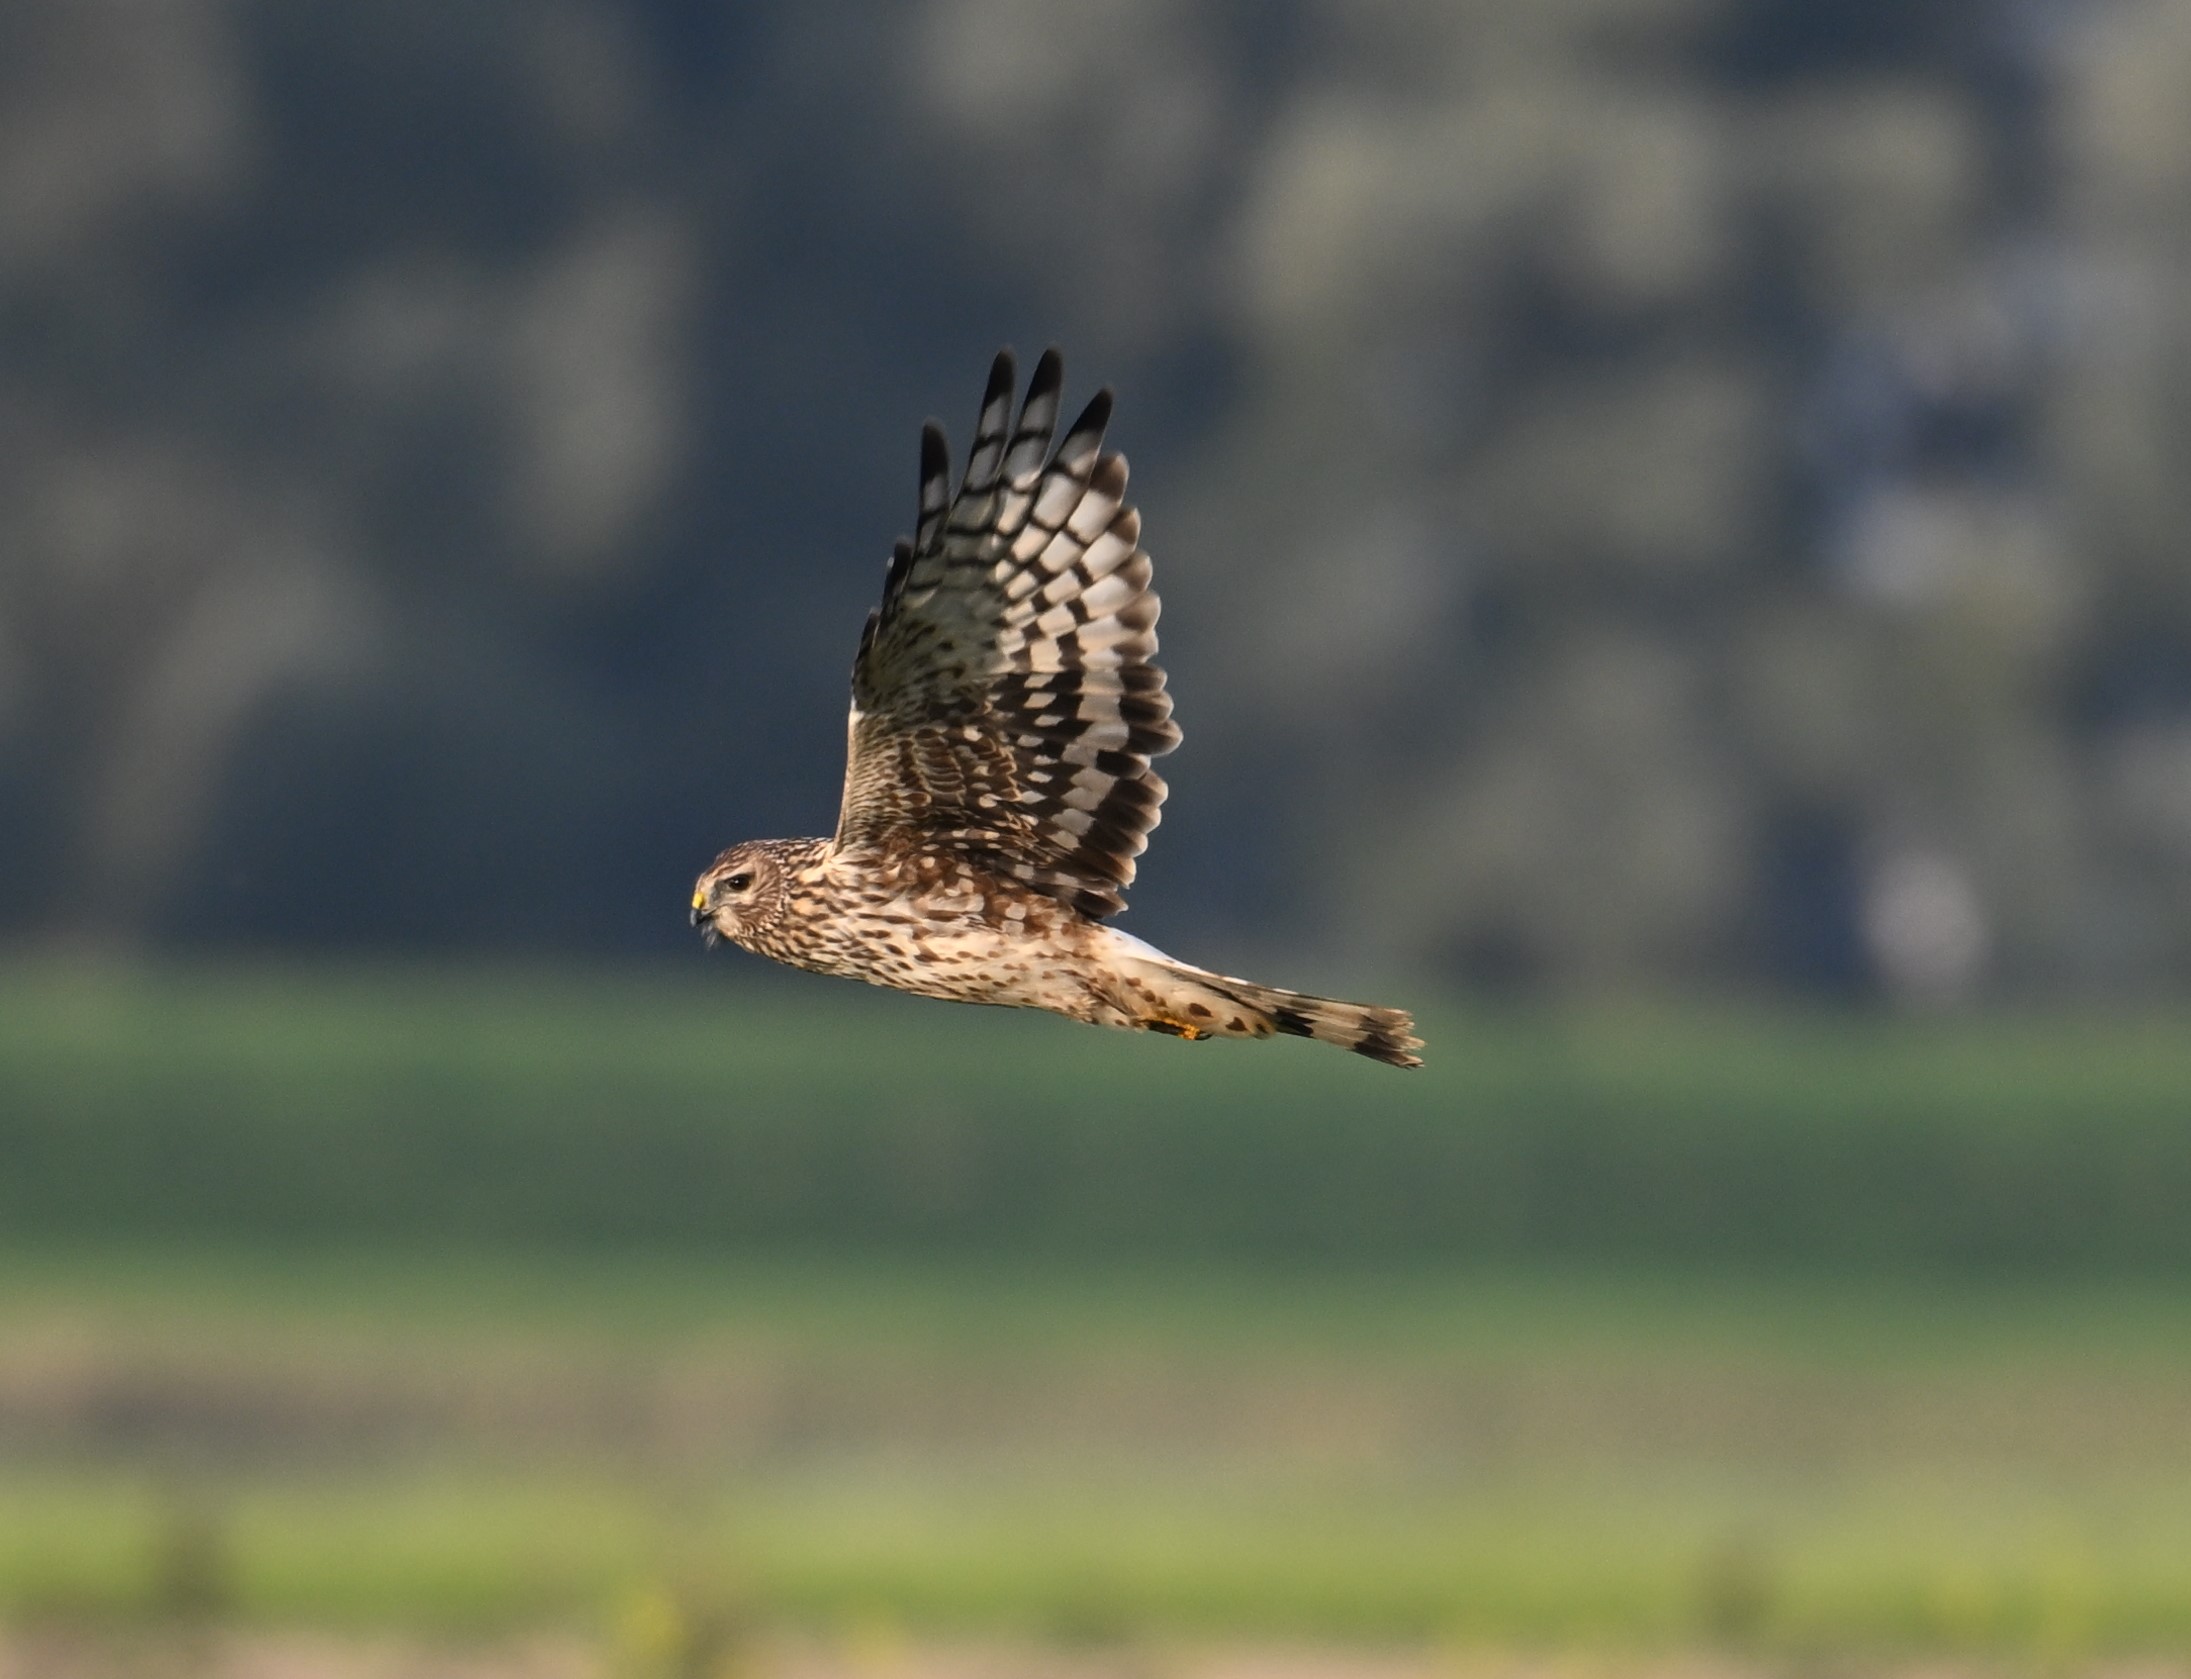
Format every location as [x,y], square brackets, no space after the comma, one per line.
[1194,1003]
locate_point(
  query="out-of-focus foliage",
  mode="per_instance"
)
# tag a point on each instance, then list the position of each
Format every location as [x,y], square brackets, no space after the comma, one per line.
[1648,491]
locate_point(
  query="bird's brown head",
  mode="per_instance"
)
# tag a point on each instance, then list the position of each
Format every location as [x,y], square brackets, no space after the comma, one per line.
[740,894]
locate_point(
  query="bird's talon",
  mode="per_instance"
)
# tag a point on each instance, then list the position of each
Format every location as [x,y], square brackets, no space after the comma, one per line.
[1174,1028]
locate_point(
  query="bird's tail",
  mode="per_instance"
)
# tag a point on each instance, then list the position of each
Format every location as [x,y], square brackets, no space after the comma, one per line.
[1193,1003]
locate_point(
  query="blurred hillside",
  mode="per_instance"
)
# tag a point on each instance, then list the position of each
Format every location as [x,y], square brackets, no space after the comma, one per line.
[1672,492]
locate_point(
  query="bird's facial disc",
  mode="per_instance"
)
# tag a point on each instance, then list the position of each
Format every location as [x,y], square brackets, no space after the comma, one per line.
[724,898]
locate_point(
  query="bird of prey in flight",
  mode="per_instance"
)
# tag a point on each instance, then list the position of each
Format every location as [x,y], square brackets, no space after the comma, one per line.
[999,785]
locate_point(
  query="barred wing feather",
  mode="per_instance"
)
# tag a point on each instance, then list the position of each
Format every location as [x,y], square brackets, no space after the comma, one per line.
[1004,707]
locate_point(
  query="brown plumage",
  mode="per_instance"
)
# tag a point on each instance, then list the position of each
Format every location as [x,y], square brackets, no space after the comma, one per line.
[998,783]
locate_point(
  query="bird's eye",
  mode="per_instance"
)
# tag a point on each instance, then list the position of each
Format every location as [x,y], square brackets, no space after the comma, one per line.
[739,882]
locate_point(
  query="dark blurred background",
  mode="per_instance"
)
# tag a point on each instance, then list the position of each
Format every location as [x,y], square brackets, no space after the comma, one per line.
[1671,517]
[1647,492]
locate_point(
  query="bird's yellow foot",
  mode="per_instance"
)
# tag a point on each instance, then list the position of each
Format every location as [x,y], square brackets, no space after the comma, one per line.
[1173,1028]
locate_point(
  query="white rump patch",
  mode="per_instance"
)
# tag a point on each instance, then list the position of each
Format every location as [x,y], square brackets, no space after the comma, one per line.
[1128,945]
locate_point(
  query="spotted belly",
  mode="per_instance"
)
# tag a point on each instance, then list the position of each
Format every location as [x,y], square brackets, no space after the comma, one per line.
[994,943]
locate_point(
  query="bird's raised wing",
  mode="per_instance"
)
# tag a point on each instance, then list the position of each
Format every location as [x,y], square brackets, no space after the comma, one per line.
[1004,708]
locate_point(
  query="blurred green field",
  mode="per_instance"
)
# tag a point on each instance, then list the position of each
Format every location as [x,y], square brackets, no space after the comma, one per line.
[761,1113]
[401,1301]
[470,1443]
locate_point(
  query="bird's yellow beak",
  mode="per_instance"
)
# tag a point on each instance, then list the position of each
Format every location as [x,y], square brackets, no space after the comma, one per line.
[699,900]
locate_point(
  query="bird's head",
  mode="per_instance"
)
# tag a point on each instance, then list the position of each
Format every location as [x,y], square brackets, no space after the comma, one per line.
[740,894]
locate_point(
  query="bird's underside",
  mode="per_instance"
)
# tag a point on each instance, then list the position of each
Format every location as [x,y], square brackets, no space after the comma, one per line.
[999,785]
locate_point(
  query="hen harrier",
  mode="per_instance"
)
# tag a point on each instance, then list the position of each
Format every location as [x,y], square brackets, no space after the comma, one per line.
[998,788]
